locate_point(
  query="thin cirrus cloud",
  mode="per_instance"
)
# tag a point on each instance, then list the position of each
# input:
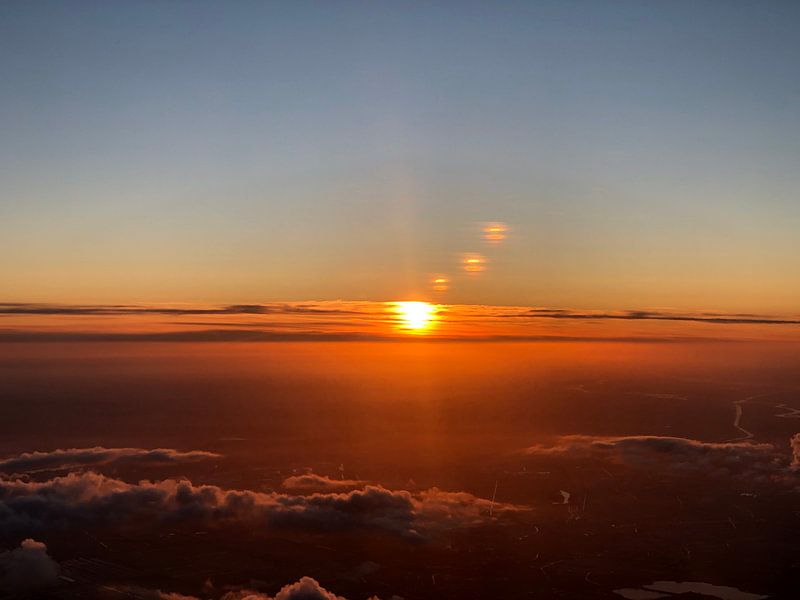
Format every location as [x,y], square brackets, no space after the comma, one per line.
[236,335]
[19,308]
[90,499]
[643,315]
[198,335]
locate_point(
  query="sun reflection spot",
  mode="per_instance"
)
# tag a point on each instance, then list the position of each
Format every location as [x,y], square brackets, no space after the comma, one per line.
[415,316]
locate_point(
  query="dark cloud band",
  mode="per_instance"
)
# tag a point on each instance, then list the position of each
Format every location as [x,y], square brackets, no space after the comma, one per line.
[90,499]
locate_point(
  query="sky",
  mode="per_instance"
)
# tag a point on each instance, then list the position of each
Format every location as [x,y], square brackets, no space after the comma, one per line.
[641,154]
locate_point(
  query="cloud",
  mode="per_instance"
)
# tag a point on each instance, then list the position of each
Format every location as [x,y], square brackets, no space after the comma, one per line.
[311,481]
[378,308]
[306,588]
[151,594]
[97,456]
[90,499]
[338,321]
[645,315]
[253,334]
[197,335]
[756,462]
[324,308]
[794,442]
[27,568]
[655,589]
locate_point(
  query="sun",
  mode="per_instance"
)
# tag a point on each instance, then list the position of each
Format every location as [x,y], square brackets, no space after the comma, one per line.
[415,316]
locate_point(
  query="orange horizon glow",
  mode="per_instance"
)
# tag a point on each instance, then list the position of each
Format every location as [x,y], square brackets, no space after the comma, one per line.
[344,320]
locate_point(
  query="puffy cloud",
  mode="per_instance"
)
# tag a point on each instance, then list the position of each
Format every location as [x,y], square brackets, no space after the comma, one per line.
[151,594]
[795,444]
[98,456]
[758,462]
[87,499]
[27,568]
[311,481]
[306,588]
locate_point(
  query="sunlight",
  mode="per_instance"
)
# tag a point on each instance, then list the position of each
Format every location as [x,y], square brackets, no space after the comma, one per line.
[416,316]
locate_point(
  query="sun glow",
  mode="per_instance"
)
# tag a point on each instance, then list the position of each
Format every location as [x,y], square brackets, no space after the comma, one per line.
[415,316]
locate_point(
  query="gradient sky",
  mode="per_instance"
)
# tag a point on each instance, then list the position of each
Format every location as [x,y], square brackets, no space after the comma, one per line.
[644,154]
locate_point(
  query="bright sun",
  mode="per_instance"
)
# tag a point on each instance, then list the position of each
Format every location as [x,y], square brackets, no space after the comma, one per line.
[415,316]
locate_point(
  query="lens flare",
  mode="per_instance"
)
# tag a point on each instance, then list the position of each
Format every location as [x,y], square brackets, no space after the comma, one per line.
[495,233]
[440,283]
[415,316]
[473,263]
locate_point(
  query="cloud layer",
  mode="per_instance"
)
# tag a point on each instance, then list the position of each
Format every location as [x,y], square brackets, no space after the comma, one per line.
[311,481]
[371,321]
[90,499]
[371,308]
[306,588]
[756,462]
[651,315]
[70,458]
[22,308]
